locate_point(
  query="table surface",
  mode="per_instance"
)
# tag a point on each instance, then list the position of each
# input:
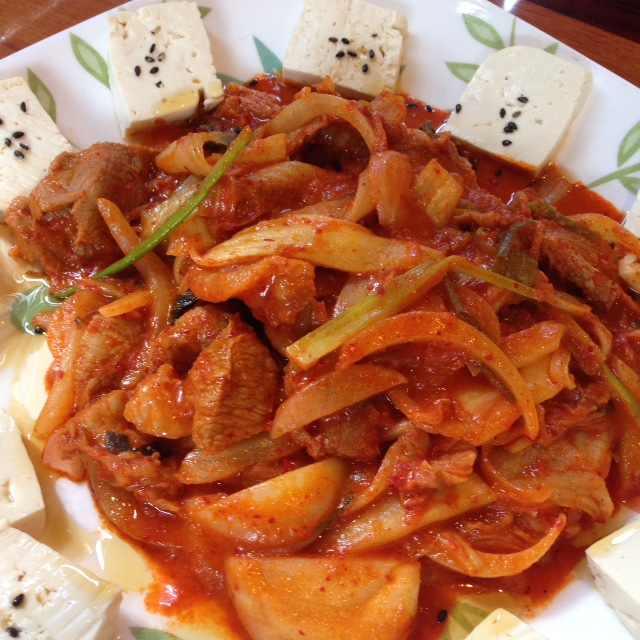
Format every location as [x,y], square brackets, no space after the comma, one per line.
[607,31]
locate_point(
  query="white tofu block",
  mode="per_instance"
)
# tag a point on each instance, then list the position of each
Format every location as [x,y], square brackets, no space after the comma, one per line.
[21,502]
[47,597]
[519,105]
[160,65]
[614,562]
[357,43]
[29,141]
[502,625]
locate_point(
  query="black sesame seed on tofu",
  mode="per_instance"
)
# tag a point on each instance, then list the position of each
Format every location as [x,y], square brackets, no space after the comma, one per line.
[523,99]
[513,125]
[13,632]
[515,114]
[374,35]
[18,600]
[149,59]
[154,70]
[161,56]
[17,134]
[152,48]
[345,41]
[506,143]
[340,54]
[351,53]
[372,53]
[137,70]
[23,107]
[333,39]
[503,112]
[1,121]
[7,142]
[159,83]
[458,108]
[508,129]
[24,146]
[18,154]
[365,68]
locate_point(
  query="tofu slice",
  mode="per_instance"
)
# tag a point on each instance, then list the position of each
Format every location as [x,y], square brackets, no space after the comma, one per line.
[160,65]
[21,502]
[49,597]
[519,105]
[614,564]
[357,43]
[502,625]
[29,141]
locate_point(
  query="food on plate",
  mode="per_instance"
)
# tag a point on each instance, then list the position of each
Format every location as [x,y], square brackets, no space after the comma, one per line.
[21,502]
[519,105]
[48,596]
[160,65]
[356,380]
[502,625]
[30,141]
[613,562]
[358,44]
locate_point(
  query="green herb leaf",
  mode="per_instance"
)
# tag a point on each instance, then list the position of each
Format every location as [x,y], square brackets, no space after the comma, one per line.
[204,11]
[630,144]
[144,633]
[462,70]
[90,59]
[270,61]
[40,299]
[552,48]
[41,91]
[483,32]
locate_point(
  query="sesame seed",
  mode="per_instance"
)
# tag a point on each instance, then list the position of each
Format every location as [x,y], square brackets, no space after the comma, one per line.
[523,99]
[340,54]
[18,154]
[458,108]
[372,53]
[18,600]
[345,41]
[503,113]
[506,143]
[429,108]
[374,35]
[351,53]
[252,83]
[17,134]
[515,114]
[13,632]
[498,173]
[154,70]
[159,83]
[365,68]
[513,125]
[442,616]
[508,129]
[412,105]
[24,146]
[136,70]
[149,59]
[0,120]
[7,142]
[161,56]
[152,48]
[23,107]
[333,39]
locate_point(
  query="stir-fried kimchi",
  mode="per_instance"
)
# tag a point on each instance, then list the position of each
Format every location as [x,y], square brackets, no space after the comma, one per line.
[356,379]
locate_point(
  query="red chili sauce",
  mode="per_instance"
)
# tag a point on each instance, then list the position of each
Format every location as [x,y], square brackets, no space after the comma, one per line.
[184,588]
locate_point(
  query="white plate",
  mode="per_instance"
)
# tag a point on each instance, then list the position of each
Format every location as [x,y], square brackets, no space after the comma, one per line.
[446,39]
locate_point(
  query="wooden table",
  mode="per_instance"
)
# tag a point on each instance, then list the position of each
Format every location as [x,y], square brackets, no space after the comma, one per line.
[608,31]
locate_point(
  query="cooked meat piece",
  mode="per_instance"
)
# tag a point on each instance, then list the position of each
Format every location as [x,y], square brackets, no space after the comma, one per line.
[59,223]
[276,289]
[232,386]
[588,263]
[180,344]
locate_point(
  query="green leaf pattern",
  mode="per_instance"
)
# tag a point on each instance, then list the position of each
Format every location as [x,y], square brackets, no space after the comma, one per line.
[462,70]
[482,31]
[270,61]
[41,91]
[630,145]
[90,59]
